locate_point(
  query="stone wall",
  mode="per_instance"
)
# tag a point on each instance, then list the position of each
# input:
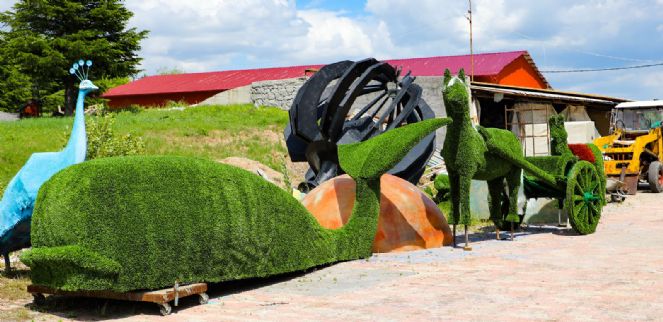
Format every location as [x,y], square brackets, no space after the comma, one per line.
[278,93]
[432,93]
[281,93]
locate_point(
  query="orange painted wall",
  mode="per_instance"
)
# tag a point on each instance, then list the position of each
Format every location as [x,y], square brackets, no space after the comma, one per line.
[519,73]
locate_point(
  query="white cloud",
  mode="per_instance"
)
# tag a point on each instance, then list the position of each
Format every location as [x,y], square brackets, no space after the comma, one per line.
[203,35]
[421,27]
[600,19]
[493,18]
[206,35]
[588,34]
[329,34]
[199,35]
[332,36]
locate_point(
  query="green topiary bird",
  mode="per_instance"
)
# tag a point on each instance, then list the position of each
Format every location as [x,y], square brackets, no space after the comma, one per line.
[132,223]
[468,155]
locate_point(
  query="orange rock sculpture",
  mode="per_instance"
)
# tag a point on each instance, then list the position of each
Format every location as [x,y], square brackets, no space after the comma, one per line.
[408,220]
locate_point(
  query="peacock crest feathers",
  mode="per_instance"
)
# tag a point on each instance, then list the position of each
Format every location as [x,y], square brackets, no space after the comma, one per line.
[81,69]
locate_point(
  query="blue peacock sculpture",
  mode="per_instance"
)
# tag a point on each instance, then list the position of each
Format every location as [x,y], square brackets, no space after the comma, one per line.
[19,198]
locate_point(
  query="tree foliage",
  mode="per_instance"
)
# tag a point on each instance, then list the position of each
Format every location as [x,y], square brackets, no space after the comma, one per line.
[43,38]
[15,87]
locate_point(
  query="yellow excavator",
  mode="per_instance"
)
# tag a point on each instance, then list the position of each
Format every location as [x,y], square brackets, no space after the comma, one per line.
[633,151]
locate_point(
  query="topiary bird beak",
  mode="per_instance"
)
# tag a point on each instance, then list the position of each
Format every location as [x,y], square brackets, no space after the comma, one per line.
[374,157]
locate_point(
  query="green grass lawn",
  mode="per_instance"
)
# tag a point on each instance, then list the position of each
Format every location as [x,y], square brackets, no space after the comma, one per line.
[212,132]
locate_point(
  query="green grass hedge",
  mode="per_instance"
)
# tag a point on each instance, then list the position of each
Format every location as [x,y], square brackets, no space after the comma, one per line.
[132,223]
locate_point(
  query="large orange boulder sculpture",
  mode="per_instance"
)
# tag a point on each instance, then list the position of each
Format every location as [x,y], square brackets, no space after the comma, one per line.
[408,220]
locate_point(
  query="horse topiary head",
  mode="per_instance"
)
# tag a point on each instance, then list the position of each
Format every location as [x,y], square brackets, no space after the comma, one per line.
[455,95]
[558,135]
[556,123]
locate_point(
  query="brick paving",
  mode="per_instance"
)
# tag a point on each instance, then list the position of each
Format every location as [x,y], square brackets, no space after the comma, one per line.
[546,273]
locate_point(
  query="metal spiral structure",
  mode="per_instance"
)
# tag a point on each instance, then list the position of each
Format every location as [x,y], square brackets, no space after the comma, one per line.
[347,102]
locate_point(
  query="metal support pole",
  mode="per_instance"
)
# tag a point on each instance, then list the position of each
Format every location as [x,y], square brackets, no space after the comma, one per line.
[469,18]
[177,293]
[559,217]
[454,233]
[467,241]
[567,221]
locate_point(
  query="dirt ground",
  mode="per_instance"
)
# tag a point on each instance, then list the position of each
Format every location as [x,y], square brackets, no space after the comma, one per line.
[546,273]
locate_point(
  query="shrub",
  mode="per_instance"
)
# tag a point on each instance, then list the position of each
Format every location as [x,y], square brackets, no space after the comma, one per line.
[102,142]
[141,222]
[440,193]
[443,187]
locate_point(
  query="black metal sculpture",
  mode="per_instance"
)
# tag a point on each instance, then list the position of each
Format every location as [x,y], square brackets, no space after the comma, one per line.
[322,116]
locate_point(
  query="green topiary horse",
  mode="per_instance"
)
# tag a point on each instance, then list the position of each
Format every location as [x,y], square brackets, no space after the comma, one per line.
[467,157]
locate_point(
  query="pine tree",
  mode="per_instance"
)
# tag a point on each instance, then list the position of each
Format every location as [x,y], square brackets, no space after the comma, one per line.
[15,87]
[45,37]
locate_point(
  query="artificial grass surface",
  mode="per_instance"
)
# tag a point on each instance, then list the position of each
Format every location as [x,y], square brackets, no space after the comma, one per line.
[600,168]
[578,169]
[468,155]
[145,222]
[369,159]
[164,219]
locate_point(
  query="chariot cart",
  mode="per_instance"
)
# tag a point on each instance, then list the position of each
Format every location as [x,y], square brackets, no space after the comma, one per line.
[573,175]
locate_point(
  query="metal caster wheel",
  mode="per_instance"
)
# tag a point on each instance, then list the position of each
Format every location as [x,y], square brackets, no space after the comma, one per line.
[38,299]
[203,298]
[165,309]
[617,197]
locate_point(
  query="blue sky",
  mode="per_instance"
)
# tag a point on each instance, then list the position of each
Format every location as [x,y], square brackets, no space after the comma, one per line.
[207,35]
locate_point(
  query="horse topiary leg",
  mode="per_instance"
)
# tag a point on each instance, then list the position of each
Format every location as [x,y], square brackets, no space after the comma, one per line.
[465,215]
[454,218]
[513,182]
[495,189]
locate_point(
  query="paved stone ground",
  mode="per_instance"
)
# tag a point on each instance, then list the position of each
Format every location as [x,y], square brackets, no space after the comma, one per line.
[546,273]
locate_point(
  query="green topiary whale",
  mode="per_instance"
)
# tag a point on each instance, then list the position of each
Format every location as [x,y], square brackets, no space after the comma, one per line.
[144,222]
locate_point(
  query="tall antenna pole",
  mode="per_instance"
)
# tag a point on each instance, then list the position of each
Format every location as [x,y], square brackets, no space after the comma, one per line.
[469,18]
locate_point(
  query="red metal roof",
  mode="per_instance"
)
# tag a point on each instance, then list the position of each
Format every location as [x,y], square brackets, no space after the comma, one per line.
[484,65]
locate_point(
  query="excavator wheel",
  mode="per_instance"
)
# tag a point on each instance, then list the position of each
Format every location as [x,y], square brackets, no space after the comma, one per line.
[655,176]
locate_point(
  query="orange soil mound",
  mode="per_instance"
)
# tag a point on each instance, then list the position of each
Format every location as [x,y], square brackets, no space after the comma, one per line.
[408,220]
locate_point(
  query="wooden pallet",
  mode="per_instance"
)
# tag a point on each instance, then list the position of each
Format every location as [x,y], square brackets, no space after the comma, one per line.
[159,297]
